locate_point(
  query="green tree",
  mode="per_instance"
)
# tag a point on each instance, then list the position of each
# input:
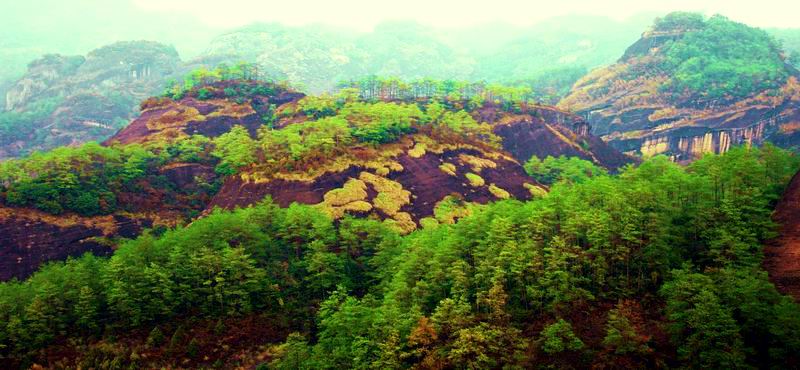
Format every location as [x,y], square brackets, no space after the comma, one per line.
[558,337]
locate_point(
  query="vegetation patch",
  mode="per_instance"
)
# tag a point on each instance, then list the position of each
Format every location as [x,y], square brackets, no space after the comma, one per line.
[451,208]
[401,222]
[391,195]
[417,151]
[475,180]
[353,190]
[535,190]
[499,192]
[476,163]
[448,168]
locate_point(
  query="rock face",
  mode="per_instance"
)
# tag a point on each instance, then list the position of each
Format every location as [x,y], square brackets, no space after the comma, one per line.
[627,106]
[546,131]
[165,118]
[423,177]
[30,238]
[76,99]
[782,255]
[401,182]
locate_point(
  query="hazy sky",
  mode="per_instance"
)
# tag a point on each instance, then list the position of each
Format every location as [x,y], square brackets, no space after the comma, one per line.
[364,14]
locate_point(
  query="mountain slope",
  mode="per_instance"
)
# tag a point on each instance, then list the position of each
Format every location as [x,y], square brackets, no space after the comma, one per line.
[782,255]
[69,100]
[231,143]
[692,85]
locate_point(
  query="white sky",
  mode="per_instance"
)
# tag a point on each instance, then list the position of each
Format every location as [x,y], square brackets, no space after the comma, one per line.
[364,14]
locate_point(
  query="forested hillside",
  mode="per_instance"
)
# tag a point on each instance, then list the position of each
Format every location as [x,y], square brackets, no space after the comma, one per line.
[67,99]
[408,197]
[379,148]
[656,266]
[692,85]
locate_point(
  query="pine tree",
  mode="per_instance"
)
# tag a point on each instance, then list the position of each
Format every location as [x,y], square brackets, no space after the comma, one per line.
[558,337]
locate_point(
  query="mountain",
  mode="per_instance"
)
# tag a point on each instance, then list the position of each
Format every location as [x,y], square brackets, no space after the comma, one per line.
[692,85]
[783,253]
[319,57]
[230,143]
[790,40]
[79,26]
[600,271]
[68,100]
[404,222]
[558,43]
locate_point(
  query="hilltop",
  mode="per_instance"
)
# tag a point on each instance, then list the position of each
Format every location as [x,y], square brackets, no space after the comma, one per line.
[381,149]
[66,99]
[692,85]
[69,100]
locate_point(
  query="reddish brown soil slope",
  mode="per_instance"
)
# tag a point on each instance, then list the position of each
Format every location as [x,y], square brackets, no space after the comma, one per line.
[783,254]
[421,176]
[30,238]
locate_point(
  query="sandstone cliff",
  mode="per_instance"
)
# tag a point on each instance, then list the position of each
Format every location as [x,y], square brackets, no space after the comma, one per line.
[67,100]
[635,107]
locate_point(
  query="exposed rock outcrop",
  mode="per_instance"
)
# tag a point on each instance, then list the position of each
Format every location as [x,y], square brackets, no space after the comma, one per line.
[400,182]
[628,105]
[422,176]
[77,99]
[546,131]
[782,255]
[30,238]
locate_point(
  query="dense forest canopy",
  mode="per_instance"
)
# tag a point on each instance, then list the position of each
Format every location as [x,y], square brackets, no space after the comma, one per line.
[88,180]
[644,263]
[719,57]
[658,248]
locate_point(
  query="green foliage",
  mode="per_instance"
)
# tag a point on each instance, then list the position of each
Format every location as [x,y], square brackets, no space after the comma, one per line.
[567,169]
[81,180]
[294,354]
[558,337]
[193,348]
[155,338]
[235,149]
[380,122]
[706,329]
[226,264]
[196,82]
[459,295]
[374,88]
[722,58]
[315,138]
[623,331]
[550,85]
[319,106]
[679,21]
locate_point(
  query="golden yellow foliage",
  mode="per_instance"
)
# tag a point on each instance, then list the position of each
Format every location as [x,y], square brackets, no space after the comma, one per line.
[535,190]
[476,163]
[499,192]
[353,190]
[391,195]
[177,117]
[401,222]
[475,180]
[418,150]
[451,208]
[336,213]
[230,109]
[448,168]
[668,112]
